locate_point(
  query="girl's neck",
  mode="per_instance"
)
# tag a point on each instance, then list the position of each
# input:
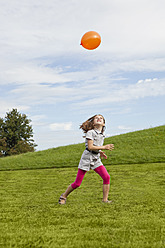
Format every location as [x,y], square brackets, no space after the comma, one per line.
[98,127]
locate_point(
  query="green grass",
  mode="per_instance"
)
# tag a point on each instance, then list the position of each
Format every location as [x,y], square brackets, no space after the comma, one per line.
[30,215]
[145,146]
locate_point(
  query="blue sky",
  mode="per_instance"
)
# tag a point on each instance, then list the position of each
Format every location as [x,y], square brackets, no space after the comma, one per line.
[58,84]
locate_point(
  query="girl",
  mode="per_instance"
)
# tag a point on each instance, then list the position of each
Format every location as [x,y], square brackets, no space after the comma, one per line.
[90,159]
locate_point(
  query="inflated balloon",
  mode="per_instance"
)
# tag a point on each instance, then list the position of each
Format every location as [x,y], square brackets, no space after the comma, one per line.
[91,40]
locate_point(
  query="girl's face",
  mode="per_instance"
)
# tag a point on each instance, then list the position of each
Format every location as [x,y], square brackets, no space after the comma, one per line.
[98,120]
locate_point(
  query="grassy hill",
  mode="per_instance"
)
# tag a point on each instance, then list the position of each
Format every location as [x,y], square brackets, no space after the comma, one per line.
[145,146]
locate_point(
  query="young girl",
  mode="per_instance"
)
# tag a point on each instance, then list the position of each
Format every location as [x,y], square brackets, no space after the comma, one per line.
[90,159]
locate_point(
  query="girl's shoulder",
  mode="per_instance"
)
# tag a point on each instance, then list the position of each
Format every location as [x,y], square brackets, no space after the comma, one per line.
[90,131]
[90,134]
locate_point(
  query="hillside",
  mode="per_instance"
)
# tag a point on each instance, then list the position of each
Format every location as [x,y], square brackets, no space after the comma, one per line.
[145,146]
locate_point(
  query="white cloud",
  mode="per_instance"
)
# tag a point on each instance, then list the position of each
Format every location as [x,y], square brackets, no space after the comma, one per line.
[147,80]
[8,105]
[86,92]
[32,74]
[116,93]
[60,126]
[124,128]
[38,120]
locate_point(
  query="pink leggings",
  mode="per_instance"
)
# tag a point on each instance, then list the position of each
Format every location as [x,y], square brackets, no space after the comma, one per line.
[101,170]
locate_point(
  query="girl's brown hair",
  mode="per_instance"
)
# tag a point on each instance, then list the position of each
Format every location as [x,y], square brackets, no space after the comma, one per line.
[88,125]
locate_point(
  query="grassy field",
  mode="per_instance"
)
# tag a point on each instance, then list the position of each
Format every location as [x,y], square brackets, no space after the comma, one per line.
[30,215]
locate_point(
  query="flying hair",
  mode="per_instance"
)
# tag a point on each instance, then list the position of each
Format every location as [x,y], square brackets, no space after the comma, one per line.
[89,124]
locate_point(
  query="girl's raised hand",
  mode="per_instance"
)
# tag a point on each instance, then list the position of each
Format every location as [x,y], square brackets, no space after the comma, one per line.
[109,147]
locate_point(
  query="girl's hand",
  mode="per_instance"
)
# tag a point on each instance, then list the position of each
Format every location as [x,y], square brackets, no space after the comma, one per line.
[109,147]
[103,155]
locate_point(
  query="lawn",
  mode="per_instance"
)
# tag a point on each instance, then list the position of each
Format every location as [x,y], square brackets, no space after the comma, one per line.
[30,215]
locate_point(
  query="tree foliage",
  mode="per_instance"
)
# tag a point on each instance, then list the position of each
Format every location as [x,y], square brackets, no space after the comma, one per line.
[16,134]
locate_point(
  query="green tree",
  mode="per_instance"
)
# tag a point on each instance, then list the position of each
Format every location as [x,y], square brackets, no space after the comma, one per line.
[16,134]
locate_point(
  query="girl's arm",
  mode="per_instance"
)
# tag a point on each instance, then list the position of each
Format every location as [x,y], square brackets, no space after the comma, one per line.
[94,148]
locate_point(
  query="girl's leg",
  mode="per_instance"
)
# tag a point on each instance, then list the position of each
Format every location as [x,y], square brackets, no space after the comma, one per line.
[101,170]
[76,184]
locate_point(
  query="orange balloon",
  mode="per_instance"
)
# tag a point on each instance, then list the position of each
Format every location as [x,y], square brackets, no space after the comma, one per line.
[91,40]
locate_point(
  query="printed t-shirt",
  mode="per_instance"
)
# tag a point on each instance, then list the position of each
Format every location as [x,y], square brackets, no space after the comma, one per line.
[88,159]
